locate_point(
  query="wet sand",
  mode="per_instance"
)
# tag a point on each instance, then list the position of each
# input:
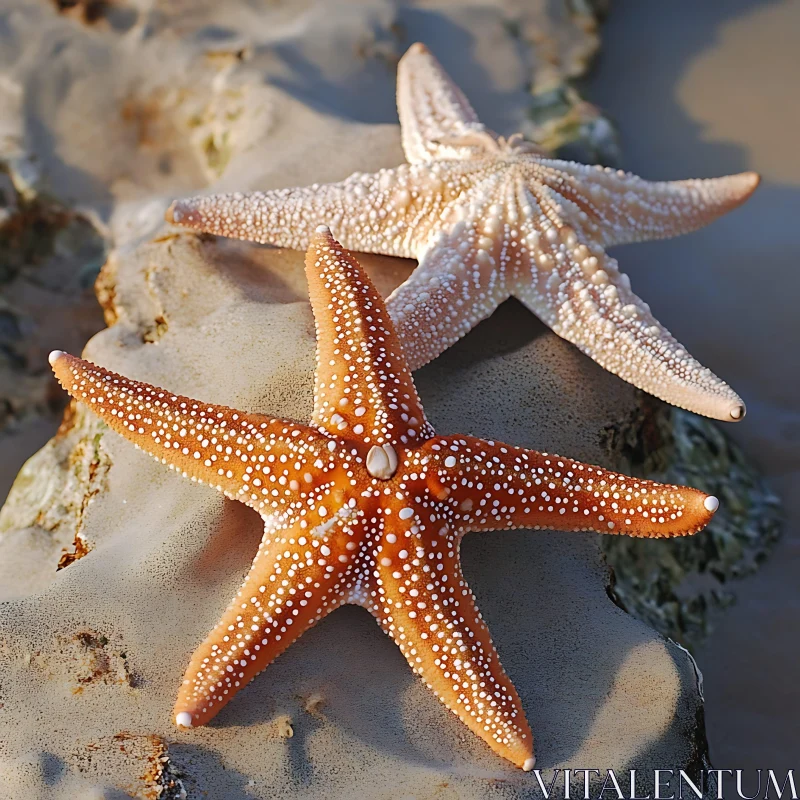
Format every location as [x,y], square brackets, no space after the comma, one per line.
[702,89]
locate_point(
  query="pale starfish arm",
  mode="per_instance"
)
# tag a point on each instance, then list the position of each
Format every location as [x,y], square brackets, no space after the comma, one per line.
[255,459]
[433,111]
[494,486]
[376,213]
[591,305]
[363,384]
[431,614]
[622,207]
[459,282]
[265,617]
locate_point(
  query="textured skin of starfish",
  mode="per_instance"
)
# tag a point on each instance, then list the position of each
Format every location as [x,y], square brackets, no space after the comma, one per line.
[489,218]
[367,505]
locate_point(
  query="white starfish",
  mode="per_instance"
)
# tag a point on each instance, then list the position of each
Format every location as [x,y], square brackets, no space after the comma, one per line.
[489,218]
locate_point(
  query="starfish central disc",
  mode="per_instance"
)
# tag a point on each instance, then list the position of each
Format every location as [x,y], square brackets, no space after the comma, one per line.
[367,505]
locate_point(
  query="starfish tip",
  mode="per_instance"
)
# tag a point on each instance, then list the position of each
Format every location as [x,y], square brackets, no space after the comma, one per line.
[753,178]
[738,412]
[54,356]
[529,764]
[323,229]
[417,49]
[179,212]
[711,503]
[183,720]
[742,185]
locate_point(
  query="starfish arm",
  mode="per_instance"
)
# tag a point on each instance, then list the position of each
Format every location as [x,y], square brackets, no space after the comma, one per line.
[255,459]
[624,208]
[421,599]
[376,213]
[363,384]
[494,486]
[435,116]
[459,282]
[296,578]
[590,303]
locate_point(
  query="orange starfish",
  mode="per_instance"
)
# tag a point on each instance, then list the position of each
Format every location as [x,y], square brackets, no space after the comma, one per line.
[368,505]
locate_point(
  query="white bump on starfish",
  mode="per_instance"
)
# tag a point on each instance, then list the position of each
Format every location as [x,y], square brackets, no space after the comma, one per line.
[489,218]
[373,517]
[382,461]
[711,503]
[54,356]
[529,764]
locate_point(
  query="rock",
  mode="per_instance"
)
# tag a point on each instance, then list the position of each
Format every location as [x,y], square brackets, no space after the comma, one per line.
[99,650]
[49,258]
[679,586]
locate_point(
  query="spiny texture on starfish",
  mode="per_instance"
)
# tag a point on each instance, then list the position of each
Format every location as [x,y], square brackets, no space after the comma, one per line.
[368,505]
[489,218]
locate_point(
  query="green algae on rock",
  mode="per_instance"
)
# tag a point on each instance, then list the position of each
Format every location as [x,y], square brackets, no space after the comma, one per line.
[676,586]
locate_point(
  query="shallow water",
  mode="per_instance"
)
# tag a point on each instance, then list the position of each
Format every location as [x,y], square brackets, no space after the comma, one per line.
[703,89]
